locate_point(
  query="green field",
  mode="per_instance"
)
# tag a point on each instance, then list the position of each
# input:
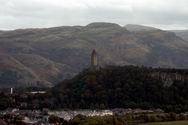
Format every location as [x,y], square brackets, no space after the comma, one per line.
[168,123]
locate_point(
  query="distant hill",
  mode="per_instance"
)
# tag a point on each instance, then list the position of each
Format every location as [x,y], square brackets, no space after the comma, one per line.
[141,28]
[124,87]
[44,57]
[136,28]
[182,33]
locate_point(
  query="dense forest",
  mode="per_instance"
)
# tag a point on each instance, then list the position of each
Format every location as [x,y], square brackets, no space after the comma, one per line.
[111,87]
[124,87]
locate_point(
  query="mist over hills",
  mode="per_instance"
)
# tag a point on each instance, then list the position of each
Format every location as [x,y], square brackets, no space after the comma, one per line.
[44,57]
[182,33]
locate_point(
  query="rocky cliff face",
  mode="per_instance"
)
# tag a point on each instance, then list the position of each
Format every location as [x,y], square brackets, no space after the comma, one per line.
[43,57]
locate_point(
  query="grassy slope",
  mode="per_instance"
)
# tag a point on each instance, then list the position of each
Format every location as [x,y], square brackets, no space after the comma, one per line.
[168,123]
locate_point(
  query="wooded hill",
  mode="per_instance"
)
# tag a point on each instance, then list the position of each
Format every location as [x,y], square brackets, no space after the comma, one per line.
[124,87]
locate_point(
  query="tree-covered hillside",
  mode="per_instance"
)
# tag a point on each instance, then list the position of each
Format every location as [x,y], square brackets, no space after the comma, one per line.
[124,87]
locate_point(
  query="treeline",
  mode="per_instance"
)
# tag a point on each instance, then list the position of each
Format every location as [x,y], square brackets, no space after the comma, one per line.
[122,87]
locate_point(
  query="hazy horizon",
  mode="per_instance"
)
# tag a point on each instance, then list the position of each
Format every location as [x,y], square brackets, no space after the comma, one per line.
[88,24]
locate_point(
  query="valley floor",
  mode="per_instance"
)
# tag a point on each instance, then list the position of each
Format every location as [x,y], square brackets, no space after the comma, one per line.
[168,123]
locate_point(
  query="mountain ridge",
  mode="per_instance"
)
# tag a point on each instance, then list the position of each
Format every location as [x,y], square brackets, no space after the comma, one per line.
[137,28]
[54,54]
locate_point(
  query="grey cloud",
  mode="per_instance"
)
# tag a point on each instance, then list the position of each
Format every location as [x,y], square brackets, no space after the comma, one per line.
[32,13]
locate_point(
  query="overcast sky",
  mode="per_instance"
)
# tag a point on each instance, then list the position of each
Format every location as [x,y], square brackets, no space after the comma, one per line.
[165,14]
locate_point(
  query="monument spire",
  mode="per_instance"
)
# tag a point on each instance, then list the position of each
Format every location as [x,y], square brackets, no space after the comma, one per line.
[94,62]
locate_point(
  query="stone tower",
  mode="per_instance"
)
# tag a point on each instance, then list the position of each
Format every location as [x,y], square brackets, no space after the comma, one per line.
[11,91]
[94,59]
